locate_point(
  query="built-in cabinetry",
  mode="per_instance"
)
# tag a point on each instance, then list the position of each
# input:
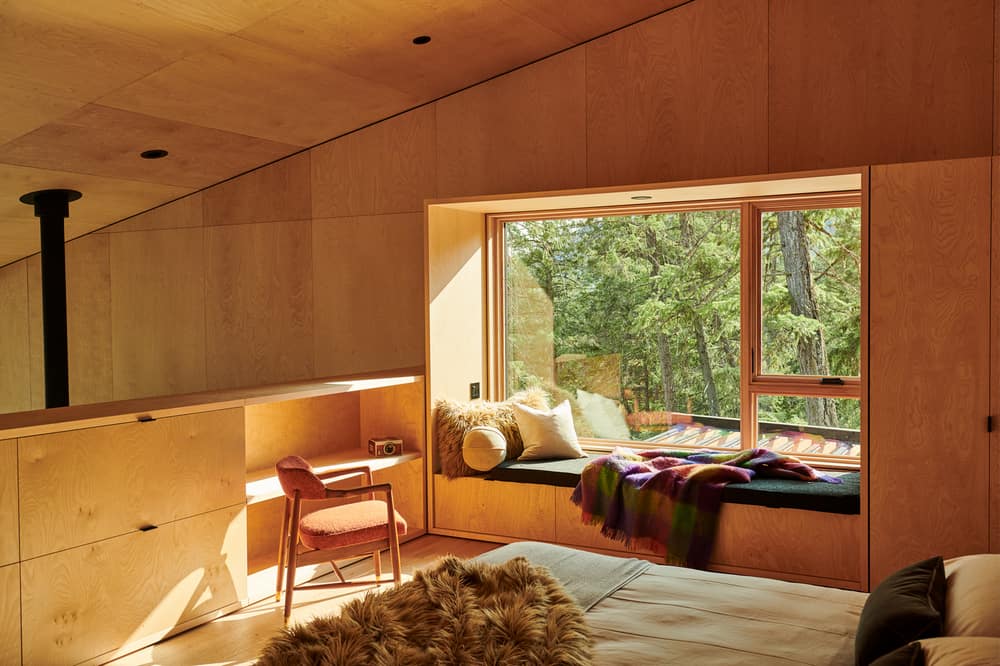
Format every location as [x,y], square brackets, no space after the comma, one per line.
[123,523]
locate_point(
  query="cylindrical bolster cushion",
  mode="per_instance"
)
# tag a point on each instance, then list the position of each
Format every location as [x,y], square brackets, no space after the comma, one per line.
[483,448]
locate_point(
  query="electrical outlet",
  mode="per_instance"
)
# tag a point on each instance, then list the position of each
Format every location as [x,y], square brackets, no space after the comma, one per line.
[473,390]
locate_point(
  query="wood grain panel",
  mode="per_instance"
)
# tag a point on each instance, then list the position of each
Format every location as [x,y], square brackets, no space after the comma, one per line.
[597,18]
[308,428]
[681,95]
[521,132]
[455,268]
[36,336]
[88,319]
[394,411]
[9,544]
[861,82]
[519,510]
[103,141]
[84,602]
[274,193]
[255,90]
[789,541]
[105,200]
[408,491]
[259,324]
[15,374]
[995,358]
[473,40]
[367,276]
[929,356]
[158,312]
[386,168]
[10,614]
[80,486]
[183,212]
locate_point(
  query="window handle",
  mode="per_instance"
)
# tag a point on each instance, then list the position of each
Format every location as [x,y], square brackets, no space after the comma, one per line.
[832,380]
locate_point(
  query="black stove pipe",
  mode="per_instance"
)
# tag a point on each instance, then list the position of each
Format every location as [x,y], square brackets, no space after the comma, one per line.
[52,208]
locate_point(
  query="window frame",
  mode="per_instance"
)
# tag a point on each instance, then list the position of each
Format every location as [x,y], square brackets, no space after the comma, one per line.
[752,383]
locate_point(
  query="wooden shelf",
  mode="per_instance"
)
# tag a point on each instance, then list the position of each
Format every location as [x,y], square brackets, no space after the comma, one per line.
[262,485]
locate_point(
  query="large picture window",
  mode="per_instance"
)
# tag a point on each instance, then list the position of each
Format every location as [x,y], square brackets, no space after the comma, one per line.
[710,325]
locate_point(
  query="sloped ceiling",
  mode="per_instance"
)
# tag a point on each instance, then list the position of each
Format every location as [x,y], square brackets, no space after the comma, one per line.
[229,85]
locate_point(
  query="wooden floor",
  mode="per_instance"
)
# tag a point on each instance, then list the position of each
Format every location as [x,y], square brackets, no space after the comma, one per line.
[238,638]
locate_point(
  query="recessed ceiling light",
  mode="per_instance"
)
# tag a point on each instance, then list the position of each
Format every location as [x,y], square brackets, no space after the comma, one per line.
[641,197]
[421,39]
[154,154]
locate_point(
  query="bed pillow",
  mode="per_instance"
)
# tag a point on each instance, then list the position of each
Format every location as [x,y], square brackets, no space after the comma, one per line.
[547,434]
[973,583]
[961,651]
[907,606]
[483,448]
[453,418]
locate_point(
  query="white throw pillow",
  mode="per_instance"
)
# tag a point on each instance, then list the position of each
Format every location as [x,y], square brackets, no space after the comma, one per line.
[547,433]
[483,448]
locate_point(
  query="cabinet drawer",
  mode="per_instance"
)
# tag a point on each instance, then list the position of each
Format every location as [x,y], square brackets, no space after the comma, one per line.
[8,503]
[82,486]
[10,614]
[132,590]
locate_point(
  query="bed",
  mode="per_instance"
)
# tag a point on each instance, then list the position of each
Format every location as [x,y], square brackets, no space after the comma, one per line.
[539,603]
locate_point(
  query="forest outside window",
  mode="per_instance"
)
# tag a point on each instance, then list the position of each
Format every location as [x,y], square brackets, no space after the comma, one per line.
[709,325]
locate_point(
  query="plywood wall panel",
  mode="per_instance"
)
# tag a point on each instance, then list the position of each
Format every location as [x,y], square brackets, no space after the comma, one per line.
[930,359]
[862,82]
[259,319]
[158,312]
[15,375]
[309,428]
[995,361]
[88,318]
[273,193]
[523,131]
[386,168]
[394,411]
[9,544]
[366,272]
[36,360]
[183,212]
[682,95]
[10,614]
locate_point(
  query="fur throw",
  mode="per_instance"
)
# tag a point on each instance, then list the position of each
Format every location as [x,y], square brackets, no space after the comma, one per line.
[452,419]
[456,612]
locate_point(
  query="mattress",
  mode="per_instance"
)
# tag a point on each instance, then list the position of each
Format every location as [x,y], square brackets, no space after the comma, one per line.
[658,614]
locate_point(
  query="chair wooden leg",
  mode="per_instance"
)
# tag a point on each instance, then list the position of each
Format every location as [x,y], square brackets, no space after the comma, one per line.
[336,570]
[377,561]
[282,545]
[397,575]
[293,539]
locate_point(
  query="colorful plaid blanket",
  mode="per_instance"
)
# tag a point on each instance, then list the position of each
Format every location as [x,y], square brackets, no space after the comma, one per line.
[668,501]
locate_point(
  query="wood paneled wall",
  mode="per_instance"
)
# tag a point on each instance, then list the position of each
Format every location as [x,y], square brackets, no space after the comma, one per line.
[312,265]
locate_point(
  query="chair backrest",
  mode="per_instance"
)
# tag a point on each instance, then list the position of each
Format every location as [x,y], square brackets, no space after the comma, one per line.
[294,473]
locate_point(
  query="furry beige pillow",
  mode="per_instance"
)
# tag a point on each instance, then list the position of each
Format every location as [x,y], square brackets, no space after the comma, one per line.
[452,419]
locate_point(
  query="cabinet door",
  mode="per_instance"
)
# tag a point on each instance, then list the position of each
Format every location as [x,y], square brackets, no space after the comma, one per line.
[123,593]
[8,503]
[10,614]
[495,508]
[929,361]
[82,486]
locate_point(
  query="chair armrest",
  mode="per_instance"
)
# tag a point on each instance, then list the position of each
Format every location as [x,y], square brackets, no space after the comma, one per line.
[343,471]
[378,487]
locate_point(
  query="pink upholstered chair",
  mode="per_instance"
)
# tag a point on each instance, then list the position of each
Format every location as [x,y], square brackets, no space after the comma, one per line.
[338,532]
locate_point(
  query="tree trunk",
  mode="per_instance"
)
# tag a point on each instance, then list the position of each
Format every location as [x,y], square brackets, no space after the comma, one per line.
[662,342]
[711,393]
[798,278]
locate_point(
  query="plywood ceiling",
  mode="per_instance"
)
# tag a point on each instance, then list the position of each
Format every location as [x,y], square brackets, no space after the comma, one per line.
[228,85]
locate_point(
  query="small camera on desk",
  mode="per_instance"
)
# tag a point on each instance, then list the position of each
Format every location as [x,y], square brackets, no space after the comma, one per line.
[385,446]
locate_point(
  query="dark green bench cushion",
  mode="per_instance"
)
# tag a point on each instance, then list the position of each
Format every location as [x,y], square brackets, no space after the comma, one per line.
[777,493]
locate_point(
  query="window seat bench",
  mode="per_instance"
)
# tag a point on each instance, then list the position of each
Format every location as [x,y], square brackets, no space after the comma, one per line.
[843,498]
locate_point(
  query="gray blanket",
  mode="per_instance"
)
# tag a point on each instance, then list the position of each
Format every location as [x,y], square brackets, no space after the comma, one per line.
[587,577]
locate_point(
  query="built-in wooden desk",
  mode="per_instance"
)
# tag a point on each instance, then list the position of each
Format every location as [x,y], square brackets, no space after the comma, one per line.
[125,522]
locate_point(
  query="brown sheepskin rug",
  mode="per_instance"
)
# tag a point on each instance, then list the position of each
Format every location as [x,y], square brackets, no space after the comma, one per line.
[454,612]
[452,419]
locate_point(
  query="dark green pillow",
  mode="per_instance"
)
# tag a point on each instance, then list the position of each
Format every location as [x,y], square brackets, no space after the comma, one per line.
[905,607]
[911,654]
